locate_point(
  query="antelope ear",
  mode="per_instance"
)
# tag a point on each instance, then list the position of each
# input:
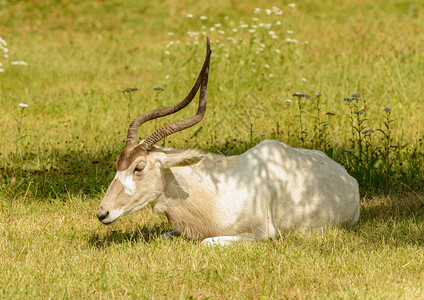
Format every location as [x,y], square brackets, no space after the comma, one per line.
[179,160]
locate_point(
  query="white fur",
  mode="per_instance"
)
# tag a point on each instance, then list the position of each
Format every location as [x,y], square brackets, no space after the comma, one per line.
[269,188]
[127,180]
[225,240]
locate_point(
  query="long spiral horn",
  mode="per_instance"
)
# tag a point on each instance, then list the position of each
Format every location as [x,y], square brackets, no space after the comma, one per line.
[169,129]
[161,112]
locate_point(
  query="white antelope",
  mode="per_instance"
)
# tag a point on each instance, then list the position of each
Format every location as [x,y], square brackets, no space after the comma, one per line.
[270,188]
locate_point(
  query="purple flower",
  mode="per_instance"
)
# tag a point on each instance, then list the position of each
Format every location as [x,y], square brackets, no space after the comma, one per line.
[367,131]
[387,110]
[356,95]
[129,90]
[300,95]
[358,112]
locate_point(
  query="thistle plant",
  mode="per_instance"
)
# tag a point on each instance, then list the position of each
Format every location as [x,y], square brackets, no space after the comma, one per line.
[387,141]
[158,90]
[19,119]
[352,103]
[370,155]
[318,131]
[299,97]
[289,124]
[251,134]
[324,144]
[128,94]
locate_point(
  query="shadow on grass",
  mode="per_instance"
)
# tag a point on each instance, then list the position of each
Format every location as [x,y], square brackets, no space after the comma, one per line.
[143,234]
[396,219]
[57,174]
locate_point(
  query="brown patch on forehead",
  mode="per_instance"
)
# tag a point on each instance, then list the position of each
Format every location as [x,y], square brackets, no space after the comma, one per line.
[129,155]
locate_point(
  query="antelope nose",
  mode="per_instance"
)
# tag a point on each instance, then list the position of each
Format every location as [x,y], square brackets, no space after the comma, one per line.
[101,215]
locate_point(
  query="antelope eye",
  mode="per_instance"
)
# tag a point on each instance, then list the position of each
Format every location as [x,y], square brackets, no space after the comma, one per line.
[138,169]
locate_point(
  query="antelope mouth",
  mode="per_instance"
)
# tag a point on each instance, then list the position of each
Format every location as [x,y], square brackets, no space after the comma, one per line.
[109,218]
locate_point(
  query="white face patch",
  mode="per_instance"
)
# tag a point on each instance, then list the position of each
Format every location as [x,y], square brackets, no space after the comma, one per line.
[127,181]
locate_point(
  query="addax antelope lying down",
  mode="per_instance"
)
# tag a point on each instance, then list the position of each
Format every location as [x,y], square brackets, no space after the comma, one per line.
[270,188]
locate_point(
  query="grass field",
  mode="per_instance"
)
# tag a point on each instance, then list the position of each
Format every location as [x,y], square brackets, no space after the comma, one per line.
[57,154]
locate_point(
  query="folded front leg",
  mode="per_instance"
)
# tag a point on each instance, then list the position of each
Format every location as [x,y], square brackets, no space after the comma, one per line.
[226,240]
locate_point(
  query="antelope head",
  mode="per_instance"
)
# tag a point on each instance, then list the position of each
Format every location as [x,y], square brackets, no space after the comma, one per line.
[139,167]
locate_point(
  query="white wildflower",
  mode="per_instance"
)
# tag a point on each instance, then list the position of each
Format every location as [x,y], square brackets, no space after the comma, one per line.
[257,10]
[266,66]
[217,25]
[244,26]
[268,26]
[271,32]
[170,33]
[203,18]
[287,101]
[277,11]
[189,16]
[271,75]
[1,70]
[255,19]
[290,40]
[221,31]
[23,105]
[277,51]
[268,11]
[278,23]
[306,42]
[304,79]
[167,52]
[292,5]
[235,30]
[290,31]
[252,30]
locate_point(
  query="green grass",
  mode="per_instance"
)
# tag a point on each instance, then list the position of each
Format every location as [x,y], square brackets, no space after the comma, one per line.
[82,54]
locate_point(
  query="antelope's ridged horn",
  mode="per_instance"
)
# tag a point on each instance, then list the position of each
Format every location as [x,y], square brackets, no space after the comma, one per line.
[161,112]
[169,129]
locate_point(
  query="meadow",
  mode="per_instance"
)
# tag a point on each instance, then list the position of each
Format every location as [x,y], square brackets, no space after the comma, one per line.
[343,77]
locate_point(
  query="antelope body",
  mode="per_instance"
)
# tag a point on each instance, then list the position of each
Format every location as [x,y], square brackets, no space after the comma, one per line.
[270,188]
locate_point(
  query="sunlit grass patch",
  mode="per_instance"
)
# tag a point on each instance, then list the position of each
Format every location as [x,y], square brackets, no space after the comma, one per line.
[59,248]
